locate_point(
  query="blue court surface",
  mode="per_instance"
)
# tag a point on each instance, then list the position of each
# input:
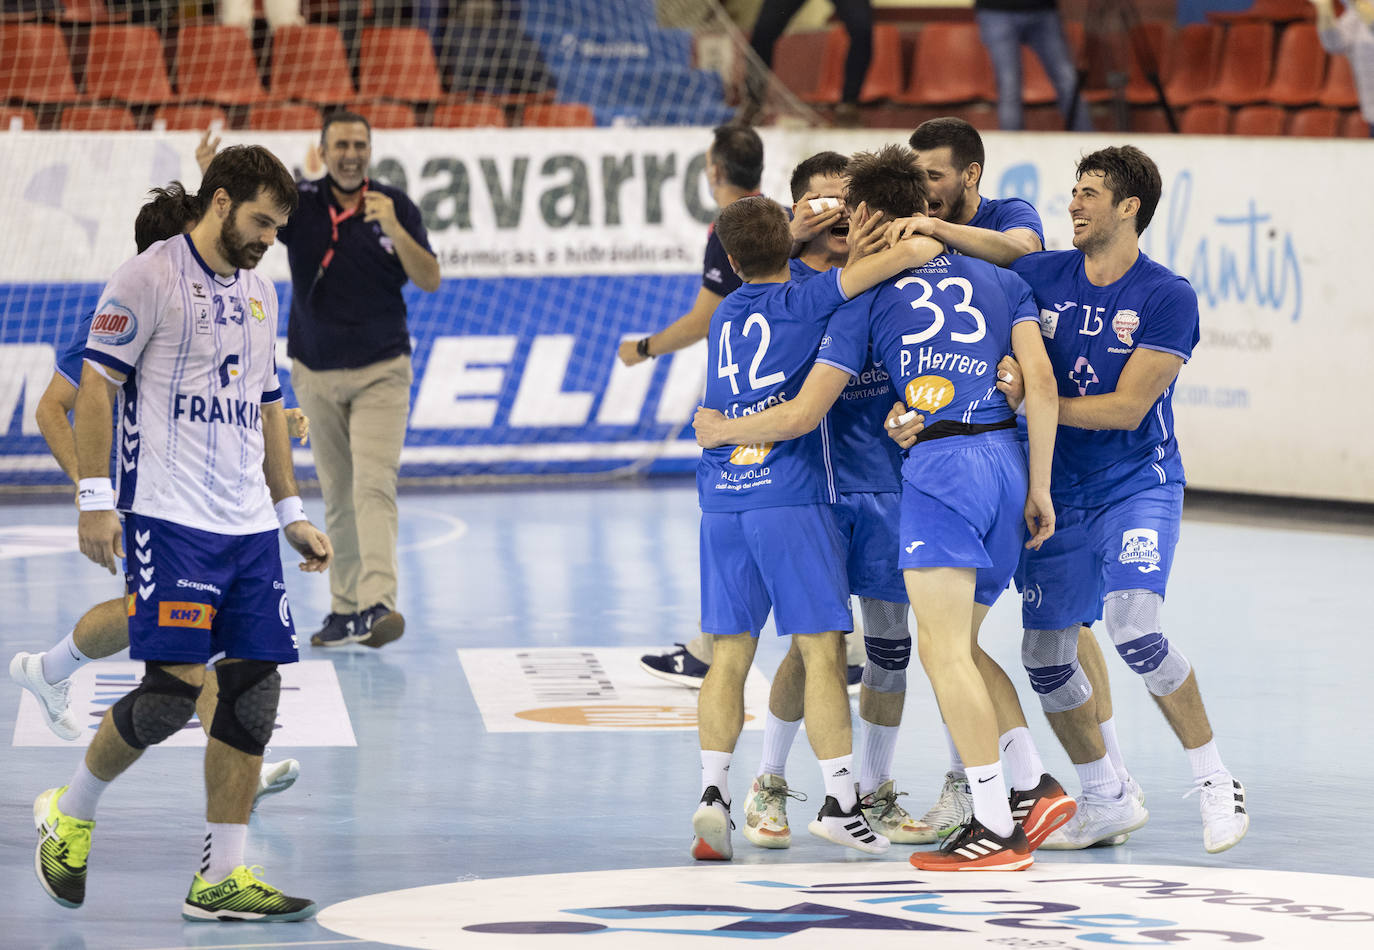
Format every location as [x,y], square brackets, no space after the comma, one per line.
[506,776]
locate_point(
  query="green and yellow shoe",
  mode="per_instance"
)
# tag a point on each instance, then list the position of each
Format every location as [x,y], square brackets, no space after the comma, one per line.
[241,896]
[64,844]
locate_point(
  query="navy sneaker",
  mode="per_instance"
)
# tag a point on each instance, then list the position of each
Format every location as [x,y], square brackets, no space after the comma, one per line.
[381,625]
[338,630]
[678,667]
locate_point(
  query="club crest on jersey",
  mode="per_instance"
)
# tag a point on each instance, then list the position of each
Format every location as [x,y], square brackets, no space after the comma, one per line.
[197,288]
[1124,325]
[255,308]
[751,454]
[929,393]
[114,325]
[1140,546]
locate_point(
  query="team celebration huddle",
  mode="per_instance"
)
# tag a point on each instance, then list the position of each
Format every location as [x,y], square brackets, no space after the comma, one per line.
[908,400]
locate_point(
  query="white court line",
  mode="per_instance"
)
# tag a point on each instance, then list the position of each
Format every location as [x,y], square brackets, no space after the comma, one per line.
[457,528]
[251,946]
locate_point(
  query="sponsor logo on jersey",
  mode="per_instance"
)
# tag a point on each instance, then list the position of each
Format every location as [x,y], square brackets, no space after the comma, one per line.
[255,308]
[713,275]
[181,613]
[1083,375]
[929,393]
[1049,322]
[228,369]
[199,585]
[238,412]
[114,325]
[1124,325]
[1140,546]
[751,454]
[284,612]
[197,288]
[202,317]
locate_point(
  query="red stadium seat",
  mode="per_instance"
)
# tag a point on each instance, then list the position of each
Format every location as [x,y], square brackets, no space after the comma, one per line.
[1299,67]
[1036,88]
[795,56]
[215,64]
[1259,120]
[1355,126]
[34,65]
[125,63]
[950,66]
[469,115]
[1338,92]
[98,119]
[1144,51]
[1150,119]
[1206,119]
[398,63]
[26,118]
[559,115]
[188,118]
[1190,63]
[1316,123]
[284,117]
[1247,64]
[884,78]
[308,63]
[830,71]
[385,115]
[90,11]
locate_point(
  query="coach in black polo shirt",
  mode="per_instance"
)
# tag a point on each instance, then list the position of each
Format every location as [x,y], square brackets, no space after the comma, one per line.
[352,244]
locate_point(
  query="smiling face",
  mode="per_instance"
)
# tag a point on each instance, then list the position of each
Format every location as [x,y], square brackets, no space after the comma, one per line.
[1096,216]
[347,150]
[835,241]
[949,187]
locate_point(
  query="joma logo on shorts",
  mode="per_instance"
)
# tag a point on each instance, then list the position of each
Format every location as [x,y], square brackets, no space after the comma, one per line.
[175,613]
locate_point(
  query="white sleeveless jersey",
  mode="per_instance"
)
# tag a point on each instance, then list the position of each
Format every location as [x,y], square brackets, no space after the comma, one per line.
[198,351]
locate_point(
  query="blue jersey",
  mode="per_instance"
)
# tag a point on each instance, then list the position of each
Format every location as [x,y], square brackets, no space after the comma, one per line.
[941,329]
[70,359]
[864,459]
[1003,214]
[761,345]
[1090,332]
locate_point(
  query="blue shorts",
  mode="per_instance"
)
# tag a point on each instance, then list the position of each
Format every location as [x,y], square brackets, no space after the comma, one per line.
[193,594]
[1127,545]
[788,559]
[868,521]
[963,505]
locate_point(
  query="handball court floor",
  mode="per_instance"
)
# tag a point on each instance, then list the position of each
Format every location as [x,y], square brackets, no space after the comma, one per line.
[510,733]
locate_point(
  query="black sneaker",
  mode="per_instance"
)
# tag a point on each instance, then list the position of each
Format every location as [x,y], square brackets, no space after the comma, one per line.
[849,828]
[974,848]
[338,630]
[380,626]
[678,667]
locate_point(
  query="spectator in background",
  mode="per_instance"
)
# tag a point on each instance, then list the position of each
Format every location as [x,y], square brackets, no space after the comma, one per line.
[279,13]
[1352,35]
[857,17]
[1006,26]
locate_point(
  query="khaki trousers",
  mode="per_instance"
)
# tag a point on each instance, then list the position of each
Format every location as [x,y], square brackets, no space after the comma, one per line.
[357,427]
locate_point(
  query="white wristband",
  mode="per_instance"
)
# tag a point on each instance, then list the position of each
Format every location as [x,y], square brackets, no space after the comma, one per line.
[95,494]
[290,510]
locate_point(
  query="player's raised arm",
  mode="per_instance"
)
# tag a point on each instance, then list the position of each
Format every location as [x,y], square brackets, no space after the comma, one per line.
[863,273]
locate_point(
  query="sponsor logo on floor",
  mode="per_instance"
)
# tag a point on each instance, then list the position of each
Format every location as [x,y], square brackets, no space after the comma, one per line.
[311,711]
[873,904]
[582,688]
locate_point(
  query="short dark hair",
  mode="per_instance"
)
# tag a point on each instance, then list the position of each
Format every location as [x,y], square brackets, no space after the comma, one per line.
[1128,173]
[343,115]
[755,233]
[738,150]
[165,216]
[822,163]
[243,171]
[888,180]
[963,141]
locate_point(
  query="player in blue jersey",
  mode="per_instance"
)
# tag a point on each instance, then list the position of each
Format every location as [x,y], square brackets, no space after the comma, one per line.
[941,330]
[104,629]
[868,484]
[769,541]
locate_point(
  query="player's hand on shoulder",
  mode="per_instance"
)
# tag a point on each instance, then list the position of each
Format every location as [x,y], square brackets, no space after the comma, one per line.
[629,353]
[1010,381]
[101,538]
[205,149]
[904,228]
[312,544]
[380,208]
[297,425]
[807,222]
[903,425]
[1039,518]
[710,426]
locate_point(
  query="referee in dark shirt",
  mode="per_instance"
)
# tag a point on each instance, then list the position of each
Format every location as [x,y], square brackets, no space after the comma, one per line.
[352,245]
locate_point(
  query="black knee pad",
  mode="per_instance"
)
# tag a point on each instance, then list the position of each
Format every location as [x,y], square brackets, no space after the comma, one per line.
[156,710]
[247,709]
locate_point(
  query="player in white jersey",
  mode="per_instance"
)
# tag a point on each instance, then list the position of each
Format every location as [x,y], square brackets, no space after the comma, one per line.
[187,333]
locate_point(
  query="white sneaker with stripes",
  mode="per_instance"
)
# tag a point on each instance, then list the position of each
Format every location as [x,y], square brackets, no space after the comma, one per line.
[1224,817]
[1098,823]
[849,828]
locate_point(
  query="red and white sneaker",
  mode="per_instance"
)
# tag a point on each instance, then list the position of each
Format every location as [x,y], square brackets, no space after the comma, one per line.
[975,848]
[711,826]
[1042,809]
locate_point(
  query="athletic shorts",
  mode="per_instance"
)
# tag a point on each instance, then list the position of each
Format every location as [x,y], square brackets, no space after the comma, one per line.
[869,521]
[192,594]
[963,504]
[1126,545]
[788,559]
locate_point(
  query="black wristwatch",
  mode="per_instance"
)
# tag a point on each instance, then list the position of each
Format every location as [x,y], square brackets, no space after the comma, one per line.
[642,348]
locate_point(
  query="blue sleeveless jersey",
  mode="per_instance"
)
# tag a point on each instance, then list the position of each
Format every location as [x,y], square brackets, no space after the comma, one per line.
[1090,333]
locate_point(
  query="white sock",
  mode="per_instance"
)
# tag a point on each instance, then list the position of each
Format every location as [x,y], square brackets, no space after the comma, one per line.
[956,764]
[990,804]
[1108,730]
[1100,781]
[778,735]
[82,794]
[223,850]
[715,770]
[63,660]
[839,780]
[1021,758]
[879,748]
[1206,761]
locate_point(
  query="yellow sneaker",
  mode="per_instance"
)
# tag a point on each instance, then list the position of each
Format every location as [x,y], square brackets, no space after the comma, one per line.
[241,896]
[64,844]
